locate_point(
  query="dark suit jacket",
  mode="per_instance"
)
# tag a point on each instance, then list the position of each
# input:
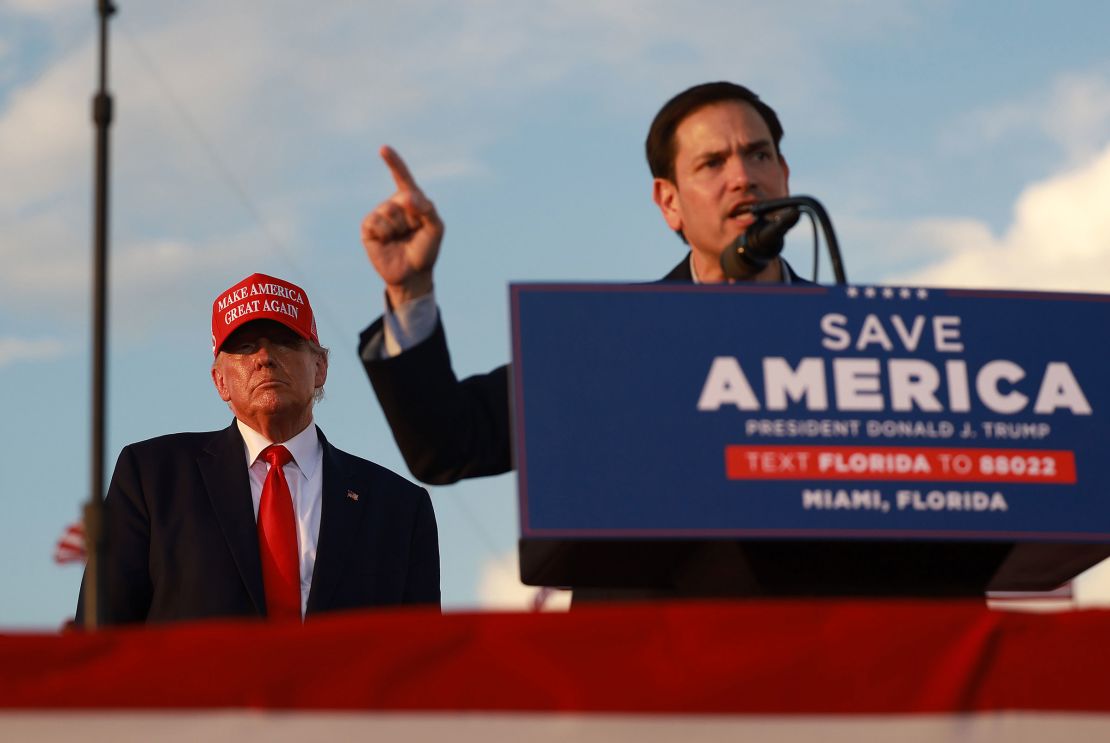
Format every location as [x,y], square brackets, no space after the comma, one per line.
[182,543]
[449,430]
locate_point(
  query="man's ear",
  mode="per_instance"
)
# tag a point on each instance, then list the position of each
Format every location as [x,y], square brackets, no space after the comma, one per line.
[221,384]
[321,370]
[665,195]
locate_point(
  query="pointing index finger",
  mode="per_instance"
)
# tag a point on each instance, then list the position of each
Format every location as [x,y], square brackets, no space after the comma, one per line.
[397,168]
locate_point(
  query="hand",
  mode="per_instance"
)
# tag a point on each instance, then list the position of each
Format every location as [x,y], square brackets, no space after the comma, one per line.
[402,235]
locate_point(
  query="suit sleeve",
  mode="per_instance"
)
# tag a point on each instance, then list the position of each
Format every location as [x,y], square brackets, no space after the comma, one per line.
[126,592]
[446,429]
[422,581]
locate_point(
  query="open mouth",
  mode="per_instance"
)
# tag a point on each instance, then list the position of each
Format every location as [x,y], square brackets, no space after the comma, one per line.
[740,210]
[740,216]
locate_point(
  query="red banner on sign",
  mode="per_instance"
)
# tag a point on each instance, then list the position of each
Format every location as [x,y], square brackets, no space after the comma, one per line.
[897,464]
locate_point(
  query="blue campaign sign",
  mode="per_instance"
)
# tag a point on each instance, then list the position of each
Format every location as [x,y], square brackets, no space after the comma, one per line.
[831,412]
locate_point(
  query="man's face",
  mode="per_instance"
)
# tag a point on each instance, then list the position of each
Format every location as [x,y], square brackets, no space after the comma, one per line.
[724,158]
[265,371]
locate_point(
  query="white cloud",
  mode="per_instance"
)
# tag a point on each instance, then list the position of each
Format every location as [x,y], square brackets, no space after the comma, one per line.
[212,104]
[175,217]
[46,8]
[266,94]
[14,350]
[1073,113]
[45,138]
[1059,239]
[49,268]
[500,588]
[1079,114]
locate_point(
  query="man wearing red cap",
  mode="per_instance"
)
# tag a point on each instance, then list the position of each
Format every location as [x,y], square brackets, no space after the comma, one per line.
[263,518]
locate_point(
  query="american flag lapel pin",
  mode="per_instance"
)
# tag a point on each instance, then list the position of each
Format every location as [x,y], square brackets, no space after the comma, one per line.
[352,495]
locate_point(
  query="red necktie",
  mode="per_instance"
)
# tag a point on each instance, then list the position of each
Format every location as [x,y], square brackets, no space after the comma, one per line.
[277,539]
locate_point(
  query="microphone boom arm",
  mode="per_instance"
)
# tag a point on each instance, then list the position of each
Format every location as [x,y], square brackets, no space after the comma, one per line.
[812,207]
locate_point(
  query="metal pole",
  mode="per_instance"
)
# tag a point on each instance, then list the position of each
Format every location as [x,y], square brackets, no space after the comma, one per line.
[94,533]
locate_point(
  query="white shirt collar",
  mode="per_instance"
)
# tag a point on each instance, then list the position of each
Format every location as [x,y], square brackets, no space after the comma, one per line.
[304,446]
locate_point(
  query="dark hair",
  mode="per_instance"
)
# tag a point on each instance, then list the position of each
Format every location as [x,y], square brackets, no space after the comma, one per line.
[660,145]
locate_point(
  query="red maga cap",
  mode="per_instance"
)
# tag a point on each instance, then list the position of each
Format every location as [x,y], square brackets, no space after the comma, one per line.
[262,297]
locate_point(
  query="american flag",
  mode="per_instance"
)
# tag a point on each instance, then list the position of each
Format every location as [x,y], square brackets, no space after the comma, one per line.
[71,546]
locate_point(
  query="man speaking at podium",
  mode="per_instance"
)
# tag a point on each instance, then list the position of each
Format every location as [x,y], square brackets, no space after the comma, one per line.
[712,149]
[265,517]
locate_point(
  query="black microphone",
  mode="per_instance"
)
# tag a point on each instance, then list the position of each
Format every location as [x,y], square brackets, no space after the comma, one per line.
[760,244]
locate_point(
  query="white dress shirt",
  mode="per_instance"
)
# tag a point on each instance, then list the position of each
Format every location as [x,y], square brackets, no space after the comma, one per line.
[305,475]
[407,325]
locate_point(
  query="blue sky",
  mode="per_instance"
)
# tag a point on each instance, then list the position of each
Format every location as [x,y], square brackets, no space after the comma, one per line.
[953,144]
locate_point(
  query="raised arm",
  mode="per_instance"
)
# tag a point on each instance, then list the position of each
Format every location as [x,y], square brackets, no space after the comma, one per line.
[402,235]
